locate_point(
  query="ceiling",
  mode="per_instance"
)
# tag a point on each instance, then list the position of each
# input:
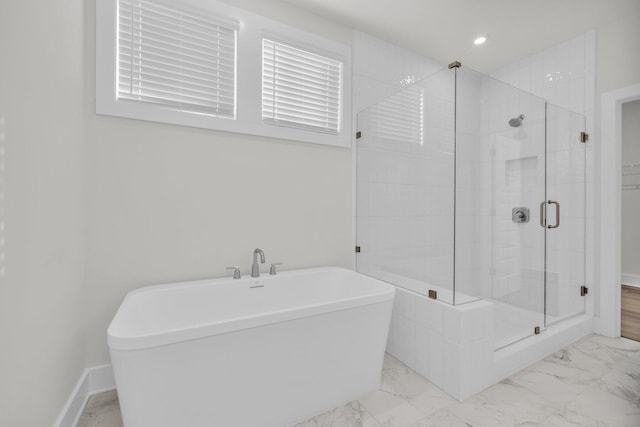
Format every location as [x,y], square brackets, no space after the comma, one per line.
[445,29]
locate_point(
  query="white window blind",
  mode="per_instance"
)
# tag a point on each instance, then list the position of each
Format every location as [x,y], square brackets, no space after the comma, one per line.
[176,58]
[400,117]
[300,89]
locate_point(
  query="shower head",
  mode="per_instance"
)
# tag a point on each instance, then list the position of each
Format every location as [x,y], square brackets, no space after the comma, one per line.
[516,121]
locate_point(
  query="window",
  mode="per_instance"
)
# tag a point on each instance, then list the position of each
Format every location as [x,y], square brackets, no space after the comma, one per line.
[400,117]
[176,58]
[206,64]
[300,89]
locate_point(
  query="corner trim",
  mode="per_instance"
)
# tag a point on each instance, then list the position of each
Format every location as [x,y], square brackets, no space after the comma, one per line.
[92,381]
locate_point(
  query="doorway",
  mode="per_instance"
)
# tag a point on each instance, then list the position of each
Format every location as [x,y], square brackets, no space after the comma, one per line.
[630,236]
[610,218]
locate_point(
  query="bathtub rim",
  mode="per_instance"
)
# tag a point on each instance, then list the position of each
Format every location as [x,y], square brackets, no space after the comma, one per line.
[124,342]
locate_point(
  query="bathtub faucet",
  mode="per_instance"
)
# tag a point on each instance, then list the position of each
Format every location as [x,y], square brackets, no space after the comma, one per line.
[255,268]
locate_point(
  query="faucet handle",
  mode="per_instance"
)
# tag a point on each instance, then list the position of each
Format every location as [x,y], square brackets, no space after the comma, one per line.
[272,270]
[236,271]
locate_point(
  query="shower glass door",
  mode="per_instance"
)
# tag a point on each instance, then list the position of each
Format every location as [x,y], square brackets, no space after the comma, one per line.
[565,215]
[500,183]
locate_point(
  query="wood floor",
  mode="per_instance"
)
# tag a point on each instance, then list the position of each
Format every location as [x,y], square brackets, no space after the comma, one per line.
[630,327]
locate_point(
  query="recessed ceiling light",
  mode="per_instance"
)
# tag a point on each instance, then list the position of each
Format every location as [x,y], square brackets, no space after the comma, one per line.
[479,40]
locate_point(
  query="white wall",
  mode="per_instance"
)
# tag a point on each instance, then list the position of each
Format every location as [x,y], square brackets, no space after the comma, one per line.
[631,197]
[618,55]
[168,203]
[283,12]
[41,209]
[618,65]
[618,62]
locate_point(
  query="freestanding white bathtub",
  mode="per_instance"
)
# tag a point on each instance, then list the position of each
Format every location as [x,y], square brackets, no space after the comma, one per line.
[253,352]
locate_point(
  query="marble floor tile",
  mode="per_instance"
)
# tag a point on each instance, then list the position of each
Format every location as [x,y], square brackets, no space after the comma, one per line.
[606,408]
[578,356]
[610,351]
[441,418]
[555,382]
[629,366]
[623,345]
[505,404]
[594,382]
[623,385]
[404,383]
[390,410]
[568,418]
[350,415]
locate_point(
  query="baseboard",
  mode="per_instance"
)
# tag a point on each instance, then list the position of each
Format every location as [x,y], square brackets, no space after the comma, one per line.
[630,279]
[93,380]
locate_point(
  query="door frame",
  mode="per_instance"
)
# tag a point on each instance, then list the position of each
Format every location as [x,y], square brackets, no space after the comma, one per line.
[610,212]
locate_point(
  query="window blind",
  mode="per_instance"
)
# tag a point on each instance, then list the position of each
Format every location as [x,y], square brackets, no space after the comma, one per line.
[176,58]
[400,117]
[300,89]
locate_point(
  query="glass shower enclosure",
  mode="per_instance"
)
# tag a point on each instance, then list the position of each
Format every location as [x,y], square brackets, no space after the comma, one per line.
[470,189]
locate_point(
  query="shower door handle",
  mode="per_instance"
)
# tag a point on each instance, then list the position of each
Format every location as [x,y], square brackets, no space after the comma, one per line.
[557,224]
[543,217]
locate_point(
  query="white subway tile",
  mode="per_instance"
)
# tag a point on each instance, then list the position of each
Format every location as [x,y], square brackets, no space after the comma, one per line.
[406,345]
[422,351]
[451,369]
[422,312]
[452,325]
[577,65]
[436,355]
[435,316]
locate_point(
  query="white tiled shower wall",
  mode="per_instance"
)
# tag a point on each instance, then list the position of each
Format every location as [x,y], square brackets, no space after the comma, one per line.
[451,346]
[432,337]
[565,76]
[381,69]
[500,167]
[508,258]
[405,188]
[409,188]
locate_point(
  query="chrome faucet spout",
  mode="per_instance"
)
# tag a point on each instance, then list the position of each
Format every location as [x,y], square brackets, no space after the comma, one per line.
[255,267]
[255,256]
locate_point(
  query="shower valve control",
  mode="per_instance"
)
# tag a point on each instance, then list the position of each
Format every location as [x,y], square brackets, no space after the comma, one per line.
[520,214]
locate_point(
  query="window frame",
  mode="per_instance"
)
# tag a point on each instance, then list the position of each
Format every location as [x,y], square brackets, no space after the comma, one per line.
[142,82]
[248,77]
[292,44]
